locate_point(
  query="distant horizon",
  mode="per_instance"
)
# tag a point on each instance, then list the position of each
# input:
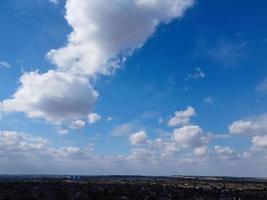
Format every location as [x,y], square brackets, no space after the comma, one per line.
[125,175]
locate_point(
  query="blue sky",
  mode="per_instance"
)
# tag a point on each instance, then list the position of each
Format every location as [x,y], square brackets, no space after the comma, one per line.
[139,87]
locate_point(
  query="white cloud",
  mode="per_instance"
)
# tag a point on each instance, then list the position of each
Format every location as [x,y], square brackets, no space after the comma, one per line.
[259,141]
[123,129]
[4,64]
[166,148]
[198,74]
[77,124]
[109,119]
[11,141]
[209,100]
[36,148]
[72,150]
[62,131]
[241,127]
[54,1]
[262,86]
[189,140]
[153,150]
[254,126]
[53,96]
[141,154]
[201,151]
[96,47]
[190,137]
[182,117]
[93,118]
[225,152]
[104,34]
[69,153]
[21,152]
[138,138]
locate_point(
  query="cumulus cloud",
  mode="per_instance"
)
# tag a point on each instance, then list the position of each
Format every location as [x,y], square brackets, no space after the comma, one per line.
[157,150]
[142,154]
[190,141]
[182,117]
[259,141]
[187,140]
[77,124]
[190,137]
[165,148]
[138,138]
[254,126]
[97,47]
[225,152]
[93,118]
[72,153]
[104,34]
[53,96]
[33,153]
[184,141]
[12,141]
[63,151]
[16,143]
[201,151]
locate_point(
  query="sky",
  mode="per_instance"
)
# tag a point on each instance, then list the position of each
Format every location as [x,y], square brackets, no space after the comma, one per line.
[136,87]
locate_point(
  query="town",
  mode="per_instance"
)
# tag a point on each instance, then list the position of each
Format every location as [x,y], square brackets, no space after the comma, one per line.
[131,187]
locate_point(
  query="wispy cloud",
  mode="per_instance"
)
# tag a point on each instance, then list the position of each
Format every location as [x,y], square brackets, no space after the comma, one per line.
[54,1]
[227,53]
[262,86]
[4,64]
[197,74]
[182,117]
[223,52]
[209,100]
